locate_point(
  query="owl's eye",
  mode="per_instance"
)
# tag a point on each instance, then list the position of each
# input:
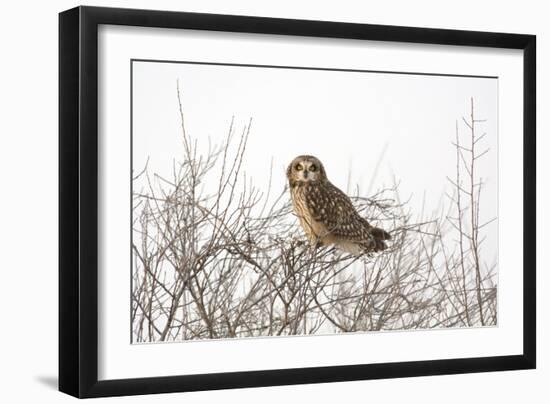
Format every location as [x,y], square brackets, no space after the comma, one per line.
[312,168]
[299,167]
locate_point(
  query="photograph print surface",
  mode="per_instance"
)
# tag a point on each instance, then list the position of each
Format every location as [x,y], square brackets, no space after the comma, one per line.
[286,201]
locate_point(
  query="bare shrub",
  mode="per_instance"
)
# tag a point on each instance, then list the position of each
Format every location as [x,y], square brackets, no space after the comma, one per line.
[230,260]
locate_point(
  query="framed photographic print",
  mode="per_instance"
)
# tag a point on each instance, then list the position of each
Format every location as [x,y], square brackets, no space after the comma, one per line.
[250,201]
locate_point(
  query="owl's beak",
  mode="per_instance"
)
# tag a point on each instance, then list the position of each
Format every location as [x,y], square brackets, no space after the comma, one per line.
[305,174]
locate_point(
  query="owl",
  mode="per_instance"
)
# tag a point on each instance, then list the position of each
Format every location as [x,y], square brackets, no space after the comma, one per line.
[326,214]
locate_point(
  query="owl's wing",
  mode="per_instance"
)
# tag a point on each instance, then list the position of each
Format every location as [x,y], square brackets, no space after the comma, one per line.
[333,208]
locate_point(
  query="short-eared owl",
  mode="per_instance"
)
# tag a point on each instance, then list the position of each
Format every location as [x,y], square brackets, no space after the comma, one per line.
[326,213]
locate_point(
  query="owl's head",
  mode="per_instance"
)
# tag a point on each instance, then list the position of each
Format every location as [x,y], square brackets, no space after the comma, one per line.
[305,169]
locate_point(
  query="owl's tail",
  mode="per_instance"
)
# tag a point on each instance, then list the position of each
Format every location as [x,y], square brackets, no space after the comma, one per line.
[380,235]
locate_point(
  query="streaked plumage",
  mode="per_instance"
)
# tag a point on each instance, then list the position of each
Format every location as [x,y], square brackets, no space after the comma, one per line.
[326,214]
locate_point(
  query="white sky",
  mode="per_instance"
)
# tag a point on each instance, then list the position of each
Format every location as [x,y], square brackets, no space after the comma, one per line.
[346,119]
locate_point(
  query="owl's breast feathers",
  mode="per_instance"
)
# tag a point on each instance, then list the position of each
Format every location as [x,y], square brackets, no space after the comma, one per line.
[328,217]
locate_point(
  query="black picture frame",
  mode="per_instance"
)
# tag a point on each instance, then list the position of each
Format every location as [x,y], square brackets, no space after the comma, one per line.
[78,201]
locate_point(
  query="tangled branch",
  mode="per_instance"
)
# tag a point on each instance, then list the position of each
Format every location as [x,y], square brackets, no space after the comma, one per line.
[214,256]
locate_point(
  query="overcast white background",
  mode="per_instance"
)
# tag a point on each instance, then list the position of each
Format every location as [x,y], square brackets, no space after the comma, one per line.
[353,122]
[28,162]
